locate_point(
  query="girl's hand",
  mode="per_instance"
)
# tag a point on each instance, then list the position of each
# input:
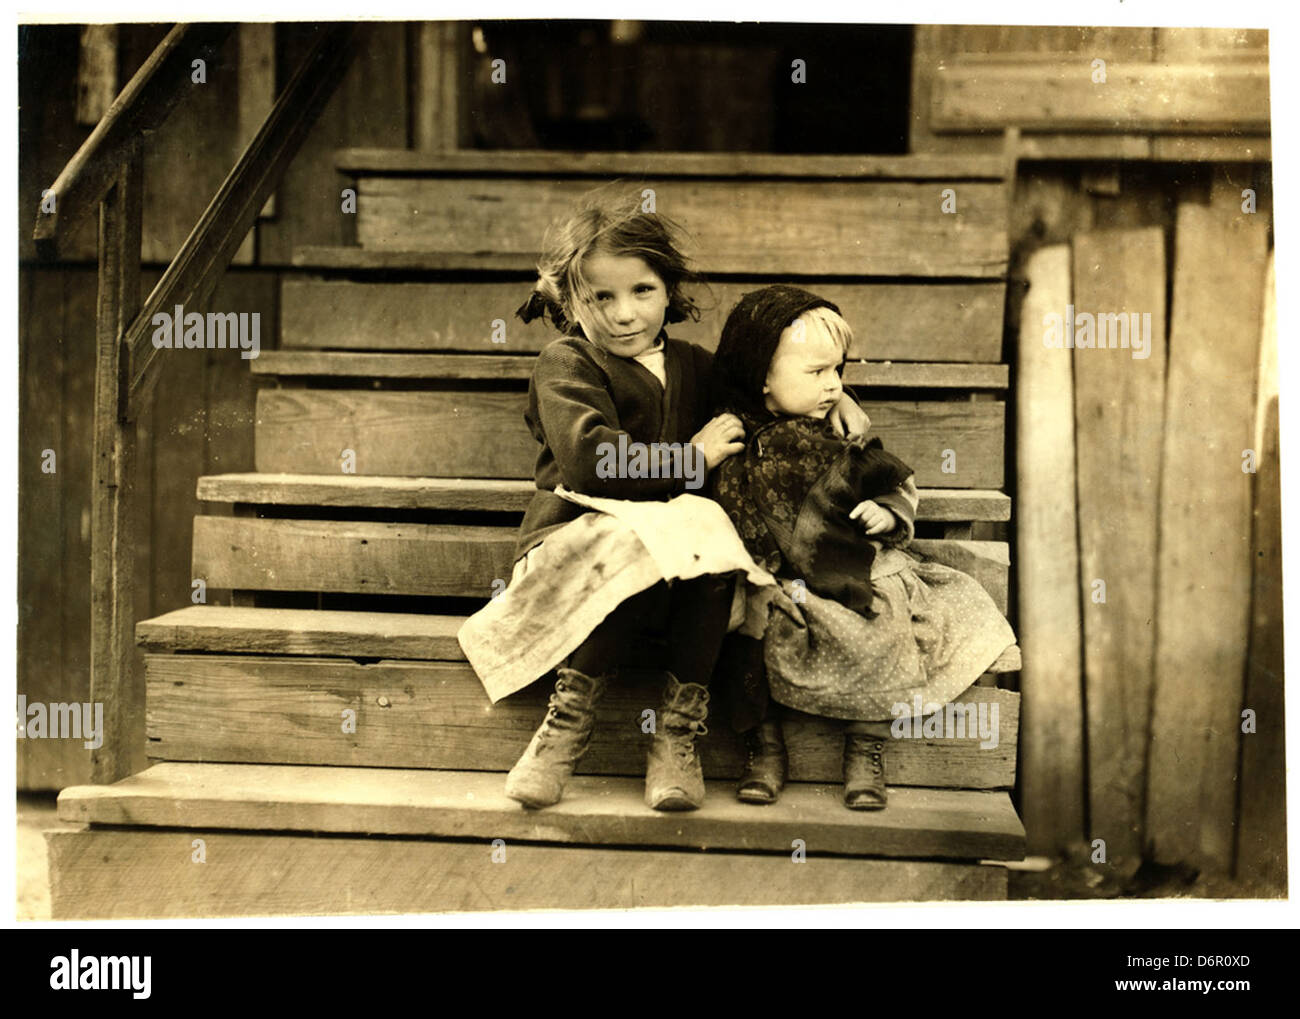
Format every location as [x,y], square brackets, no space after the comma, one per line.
[875,518]
[848,419]
[722,437]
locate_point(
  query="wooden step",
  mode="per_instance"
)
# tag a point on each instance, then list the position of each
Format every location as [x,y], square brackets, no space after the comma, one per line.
[116,874]
[345,257]
[393,635]
[370,162]
[335,364]
[437,560]
[946,504]
[304,632]
[927,321]
[378,492]
[481,434]
[918,823]
[356,557]
[428,714]
[868,227]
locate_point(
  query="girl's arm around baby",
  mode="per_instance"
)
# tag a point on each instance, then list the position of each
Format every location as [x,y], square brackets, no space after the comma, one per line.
[848,419]
[595,455]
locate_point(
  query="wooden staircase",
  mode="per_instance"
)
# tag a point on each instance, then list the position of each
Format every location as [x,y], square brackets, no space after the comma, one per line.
[321,744]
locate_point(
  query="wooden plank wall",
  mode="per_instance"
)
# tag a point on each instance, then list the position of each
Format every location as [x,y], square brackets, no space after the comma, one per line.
[1119,418]
[199,419]
[369,107]
[190,155]
[1261,832]
[1024,50]
[1052,796]
[1205,532]
[1188,633]
[937,44]
[1090,774]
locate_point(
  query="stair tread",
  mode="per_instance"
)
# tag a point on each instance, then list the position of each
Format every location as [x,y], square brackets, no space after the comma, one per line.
[379,491]
[918,823]
[352,257]
[369,491]
[408,162]
[355,258]
[397,635]
[400,635]
[354,364]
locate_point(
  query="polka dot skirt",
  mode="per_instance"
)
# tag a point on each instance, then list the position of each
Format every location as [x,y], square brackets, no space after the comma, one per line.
[937,631]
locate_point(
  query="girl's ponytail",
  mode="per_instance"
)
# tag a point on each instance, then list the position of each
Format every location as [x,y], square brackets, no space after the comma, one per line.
[537,305]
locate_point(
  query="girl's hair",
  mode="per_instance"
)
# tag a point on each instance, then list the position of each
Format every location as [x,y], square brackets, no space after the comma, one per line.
[751,335]
[609,222]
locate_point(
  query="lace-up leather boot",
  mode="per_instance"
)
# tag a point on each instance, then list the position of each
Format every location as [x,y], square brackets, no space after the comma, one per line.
[538,779]
[674,779]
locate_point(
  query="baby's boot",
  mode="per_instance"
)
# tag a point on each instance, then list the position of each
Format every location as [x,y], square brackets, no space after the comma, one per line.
[674,779]
[864,767]
[766,764]
[538,779]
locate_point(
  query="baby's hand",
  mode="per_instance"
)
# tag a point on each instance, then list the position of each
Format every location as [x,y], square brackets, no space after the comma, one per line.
[720,438]
[848,419]
[875,518]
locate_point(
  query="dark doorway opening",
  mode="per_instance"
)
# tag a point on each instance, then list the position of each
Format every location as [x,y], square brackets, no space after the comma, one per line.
[665,86]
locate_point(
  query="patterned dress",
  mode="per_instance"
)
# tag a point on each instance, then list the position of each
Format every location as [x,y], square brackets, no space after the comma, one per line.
[868,631]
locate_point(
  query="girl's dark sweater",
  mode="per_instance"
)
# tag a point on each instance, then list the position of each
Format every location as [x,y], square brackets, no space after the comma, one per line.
[581,397]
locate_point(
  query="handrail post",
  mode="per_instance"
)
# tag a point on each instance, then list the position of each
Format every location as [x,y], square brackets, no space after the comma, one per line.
[108,168]
[112,645]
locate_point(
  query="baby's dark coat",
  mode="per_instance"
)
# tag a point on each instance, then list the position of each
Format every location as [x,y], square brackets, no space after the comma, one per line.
[790,494]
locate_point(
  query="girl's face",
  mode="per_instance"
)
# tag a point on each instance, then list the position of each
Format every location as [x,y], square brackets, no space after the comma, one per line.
[803,379]
[628,303]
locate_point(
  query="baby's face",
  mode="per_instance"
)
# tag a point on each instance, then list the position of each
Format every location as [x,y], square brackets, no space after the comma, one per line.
[803,380]
[628,304]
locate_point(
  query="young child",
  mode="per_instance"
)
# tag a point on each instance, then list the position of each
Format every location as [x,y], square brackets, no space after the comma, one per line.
[829,517]
[610,277]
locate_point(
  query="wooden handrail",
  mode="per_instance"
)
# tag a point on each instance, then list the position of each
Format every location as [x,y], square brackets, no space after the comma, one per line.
[197,267]
[106,173]
[154,91]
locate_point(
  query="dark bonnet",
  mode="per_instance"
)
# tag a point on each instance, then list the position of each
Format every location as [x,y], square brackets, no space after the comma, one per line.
[749,339]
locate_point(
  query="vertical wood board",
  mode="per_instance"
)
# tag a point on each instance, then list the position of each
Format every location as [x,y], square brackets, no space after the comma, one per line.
[1205,534]
[1051,775]
[1119,418]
